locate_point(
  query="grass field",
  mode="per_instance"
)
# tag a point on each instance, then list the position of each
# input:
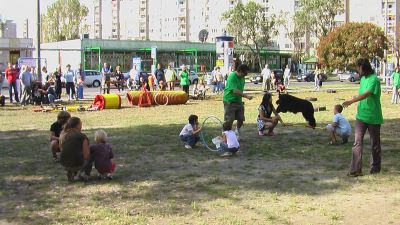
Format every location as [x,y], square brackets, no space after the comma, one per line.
[294,177]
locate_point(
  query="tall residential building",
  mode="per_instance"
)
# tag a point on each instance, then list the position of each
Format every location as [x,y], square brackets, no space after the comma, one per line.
[144,19]
[98,31]
[391,16]
[116,31]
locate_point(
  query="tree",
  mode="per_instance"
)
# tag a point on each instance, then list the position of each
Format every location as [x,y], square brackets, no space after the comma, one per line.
[341,48]
[63,20]
[318,16]
[251,26]
[294,33]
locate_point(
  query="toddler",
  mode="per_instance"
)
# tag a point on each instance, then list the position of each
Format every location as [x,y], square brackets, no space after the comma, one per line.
[230,144]
[102,155]
[339,127]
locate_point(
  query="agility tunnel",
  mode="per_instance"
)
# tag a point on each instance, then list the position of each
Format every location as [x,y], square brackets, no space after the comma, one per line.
[159,97]
[107,101]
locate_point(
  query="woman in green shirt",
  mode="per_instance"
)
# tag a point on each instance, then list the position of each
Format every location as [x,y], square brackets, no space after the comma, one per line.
[185,80]
[396,85]
[369,117]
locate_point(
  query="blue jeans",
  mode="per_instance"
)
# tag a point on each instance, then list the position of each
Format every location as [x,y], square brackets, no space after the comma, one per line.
[51,98]
[10,88]
[79,91]
[224,148]
[189,139]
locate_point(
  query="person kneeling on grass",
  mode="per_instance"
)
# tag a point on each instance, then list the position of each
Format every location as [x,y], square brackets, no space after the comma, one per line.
[230,144]
[55,131]
[75,151]
[265,120]
[190,132]
[102,155]
[340,126]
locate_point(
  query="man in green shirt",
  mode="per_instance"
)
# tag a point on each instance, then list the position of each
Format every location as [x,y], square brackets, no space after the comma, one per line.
[369,117]
[233,94]
[396,85]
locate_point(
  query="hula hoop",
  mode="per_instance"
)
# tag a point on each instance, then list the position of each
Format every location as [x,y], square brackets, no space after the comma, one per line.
[161,94]
[202,135]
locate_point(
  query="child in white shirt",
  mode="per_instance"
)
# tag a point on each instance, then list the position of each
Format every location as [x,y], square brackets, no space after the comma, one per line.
[340,126]
[190,132]
[230,145]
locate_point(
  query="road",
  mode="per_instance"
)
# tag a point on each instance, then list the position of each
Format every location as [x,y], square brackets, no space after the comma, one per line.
[90,92]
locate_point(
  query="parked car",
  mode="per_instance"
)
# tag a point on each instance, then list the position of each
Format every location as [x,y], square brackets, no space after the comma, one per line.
[351,76]
[92,78]
[259,79]
[310,77]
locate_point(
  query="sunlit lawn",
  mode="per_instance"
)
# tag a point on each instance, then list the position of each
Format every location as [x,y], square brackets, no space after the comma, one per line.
[292,178]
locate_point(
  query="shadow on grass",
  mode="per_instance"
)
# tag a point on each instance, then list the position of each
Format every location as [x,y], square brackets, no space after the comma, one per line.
[155,169]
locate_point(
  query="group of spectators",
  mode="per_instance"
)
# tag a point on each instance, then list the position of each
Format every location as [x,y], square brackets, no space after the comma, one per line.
[27,87]
[271,81]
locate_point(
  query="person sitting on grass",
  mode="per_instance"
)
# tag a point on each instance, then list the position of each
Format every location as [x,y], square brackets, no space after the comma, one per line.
[340,126]
[265,120]
[49,94]
[75,150]
[55,131]
[190,132]
[230,144]
[102,155]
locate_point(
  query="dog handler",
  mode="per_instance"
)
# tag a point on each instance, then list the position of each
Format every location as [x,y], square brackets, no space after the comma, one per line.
[233,93]
[369,117]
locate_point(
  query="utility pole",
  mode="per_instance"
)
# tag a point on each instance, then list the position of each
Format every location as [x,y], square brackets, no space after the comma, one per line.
[39,71]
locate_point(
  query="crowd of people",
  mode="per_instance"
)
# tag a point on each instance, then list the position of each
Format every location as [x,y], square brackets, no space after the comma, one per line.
[27,87]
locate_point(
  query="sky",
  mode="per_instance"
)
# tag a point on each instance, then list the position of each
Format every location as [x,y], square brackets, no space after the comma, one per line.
[19,10]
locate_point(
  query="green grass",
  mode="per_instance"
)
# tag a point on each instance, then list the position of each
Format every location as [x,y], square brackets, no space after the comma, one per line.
[292,178]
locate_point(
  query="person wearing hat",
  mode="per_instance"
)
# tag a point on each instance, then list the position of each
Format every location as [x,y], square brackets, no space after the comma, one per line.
[69,82]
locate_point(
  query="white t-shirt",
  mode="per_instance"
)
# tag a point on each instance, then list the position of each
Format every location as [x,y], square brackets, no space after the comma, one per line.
[231,139]
[287,72]
[343,126]
[187,130]
[266,73]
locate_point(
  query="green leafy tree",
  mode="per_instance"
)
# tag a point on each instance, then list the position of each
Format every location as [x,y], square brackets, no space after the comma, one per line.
[252,27]
[341,48]
[318,16]
[294,33]
[63,20]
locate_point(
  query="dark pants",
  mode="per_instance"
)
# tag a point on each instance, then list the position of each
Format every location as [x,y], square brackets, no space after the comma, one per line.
[70,86]
[374,133]
[120,85]
[190,139]
[186,89]
[58,90]
[10,89]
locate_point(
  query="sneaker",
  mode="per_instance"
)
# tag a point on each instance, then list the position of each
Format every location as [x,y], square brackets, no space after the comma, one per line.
[261,133]
[83,176]
[188,146]
[355,174]
[109,176]
[226,154]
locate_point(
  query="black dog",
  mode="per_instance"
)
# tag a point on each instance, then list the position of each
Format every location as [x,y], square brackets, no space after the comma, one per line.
[288,103]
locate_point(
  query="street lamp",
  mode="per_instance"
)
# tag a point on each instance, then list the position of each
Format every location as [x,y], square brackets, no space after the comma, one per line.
[39,72]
